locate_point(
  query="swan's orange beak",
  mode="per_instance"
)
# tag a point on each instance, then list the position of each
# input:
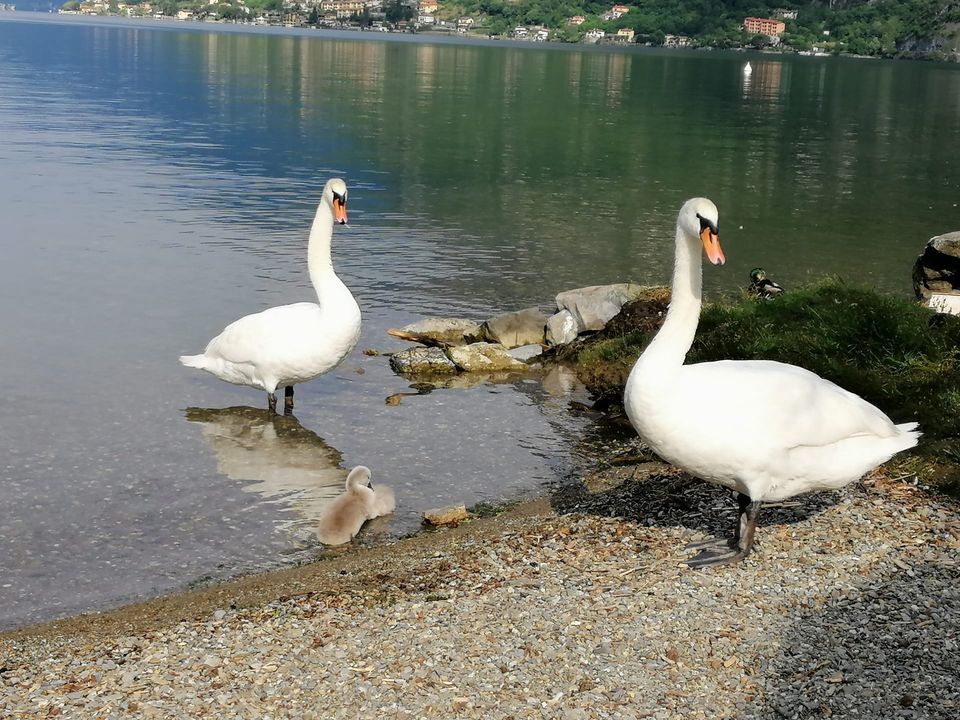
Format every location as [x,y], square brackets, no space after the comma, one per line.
[711,245]
[340,210]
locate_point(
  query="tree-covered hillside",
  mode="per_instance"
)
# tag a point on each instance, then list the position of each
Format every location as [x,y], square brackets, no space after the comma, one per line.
[885,28]
[877,27]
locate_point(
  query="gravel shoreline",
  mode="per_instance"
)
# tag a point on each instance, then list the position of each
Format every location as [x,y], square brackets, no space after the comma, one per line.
[848,608]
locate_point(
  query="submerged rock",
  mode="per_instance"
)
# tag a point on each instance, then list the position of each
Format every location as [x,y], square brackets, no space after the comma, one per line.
[484,357]
[439,331]
[420,360]
[937,270]
[562,328]
[465,380]
[514,329]
[593,306]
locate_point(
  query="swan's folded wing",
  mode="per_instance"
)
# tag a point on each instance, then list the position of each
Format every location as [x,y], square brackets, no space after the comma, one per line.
[780,405]
[250,337]
[384,501]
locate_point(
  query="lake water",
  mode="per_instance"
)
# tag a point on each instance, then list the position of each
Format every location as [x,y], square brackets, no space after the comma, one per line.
[158,181]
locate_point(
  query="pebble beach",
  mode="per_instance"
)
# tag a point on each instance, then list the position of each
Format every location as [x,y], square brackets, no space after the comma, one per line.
[576,606]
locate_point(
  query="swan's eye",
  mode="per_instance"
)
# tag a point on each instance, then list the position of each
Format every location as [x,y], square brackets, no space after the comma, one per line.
[704,224]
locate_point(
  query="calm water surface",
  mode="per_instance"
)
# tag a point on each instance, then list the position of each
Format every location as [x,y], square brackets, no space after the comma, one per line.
[156,184]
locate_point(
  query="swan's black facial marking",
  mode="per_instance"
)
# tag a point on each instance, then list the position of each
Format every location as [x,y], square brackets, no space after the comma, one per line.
[705,223]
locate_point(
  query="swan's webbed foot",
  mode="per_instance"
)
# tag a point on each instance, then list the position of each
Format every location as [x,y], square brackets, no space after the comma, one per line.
[722,551]
[713,544]
[721,556]
[271,402]
[288,400]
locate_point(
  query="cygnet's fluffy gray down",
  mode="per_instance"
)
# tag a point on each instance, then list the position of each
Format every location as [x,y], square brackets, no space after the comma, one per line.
[360,502]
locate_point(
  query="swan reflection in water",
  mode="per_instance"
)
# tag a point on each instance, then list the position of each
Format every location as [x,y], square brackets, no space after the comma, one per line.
[283,461]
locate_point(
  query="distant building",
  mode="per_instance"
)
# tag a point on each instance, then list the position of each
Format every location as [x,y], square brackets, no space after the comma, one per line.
[342,8]
[764,26]
[594,35]
[576,20]
[428,6]
[622,9]
[676,41]
[625,34]
[785,14]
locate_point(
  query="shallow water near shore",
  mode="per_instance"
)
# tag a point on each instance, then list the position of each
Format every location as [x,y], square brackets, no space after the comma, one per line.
[156,185]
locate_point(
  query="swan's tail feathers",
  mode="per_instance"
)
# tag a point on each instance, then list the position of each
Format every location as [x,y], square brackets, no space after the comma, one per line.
[910,434]
[194,361]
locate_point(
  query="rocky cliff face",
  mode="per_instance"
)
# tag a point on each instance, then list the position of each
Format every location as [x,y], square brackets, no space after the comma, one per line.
[944,46]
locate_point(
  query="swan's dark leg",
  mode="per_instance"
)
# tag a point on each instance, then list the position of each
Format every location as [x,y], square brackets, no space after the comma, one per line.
[271,402]
[288,400]
[723,552]
[723,544]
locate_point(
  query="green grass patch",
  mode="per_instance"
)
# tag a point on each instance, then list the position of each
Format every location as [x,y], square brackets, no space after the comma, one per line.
[488,509]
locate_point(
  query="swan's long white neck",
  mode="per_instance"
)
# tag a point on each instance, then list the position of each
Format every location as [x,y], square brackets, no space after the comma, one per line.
[330,289]
[668,349]
[319,263]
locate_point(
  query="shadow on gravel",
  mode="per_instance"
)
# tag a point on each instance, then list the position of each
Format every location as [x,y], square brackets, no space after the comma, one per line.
[892,651]
[641,489]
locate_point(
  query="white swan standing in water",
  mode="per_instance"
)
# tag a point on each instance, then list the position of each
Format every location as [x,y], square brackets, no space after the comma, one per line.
[343,518]
[807,434]
[290,344]
[747,69]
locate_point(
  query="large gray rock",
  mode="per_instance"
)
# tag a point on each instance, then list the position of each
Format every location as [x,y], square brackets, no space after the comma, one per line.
[937,270]
[524,327]
[439,331]
[593,306]
[484,357]
[421,360]
[526,352]
[562,328]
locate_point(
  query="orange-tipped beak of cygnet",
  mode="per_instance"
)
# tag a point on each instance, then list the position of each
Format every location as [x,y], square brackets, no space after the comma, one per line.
[711,246]
[340,210]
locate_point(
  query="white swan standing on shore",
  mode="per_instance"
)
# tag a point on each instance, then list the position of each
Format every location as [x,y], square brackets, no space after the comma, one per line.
[807,434]
[361,501]
[290,344]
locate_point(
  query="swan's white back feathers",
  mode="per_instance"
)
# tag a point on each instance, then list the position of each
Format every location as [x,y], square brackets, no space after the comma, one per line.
[282,345]
[767,429]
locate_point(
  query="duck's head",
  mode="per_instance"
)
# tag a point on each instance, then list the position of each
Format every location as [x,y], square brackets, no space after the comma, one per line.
[699,219]
[358,478]
[335,193]
[757,274]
